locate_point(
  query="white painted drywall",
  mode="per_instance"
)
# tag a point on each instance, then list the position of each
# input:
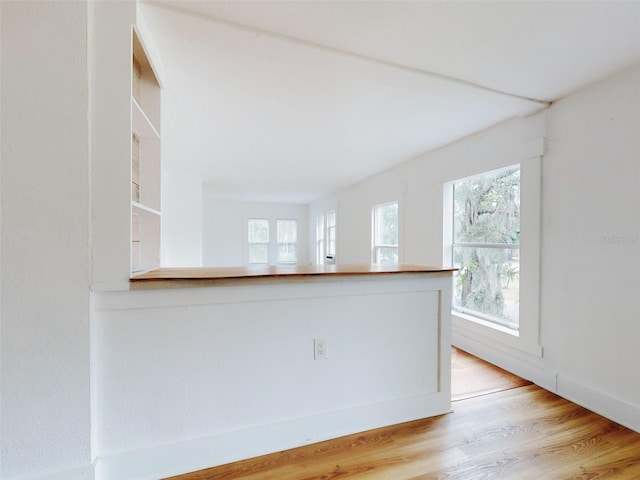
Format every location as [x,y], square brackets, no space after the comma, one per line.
[1,155]
[591,239]
[417,186]
[589,267]
[181,219]
[111,144]
[590,236]
[45,404]
[244,109]
[224,228]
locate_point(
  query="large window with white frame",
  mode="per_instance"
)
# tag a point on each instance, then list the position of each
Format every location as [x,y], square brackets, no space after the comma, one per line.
[384,225]
[331,236]
[486,246]
[320,240]
[326,238]
[258,241]
[287,236]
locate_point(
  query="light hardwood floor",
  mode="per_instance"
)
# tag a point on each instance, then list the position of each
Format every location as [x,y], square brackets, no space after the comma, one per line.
[520,432]
[472,377]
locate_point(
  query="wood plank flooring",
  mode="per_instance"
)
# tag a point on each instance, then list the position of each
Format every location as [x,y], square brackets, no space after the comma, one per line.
[472,377]
[520,433]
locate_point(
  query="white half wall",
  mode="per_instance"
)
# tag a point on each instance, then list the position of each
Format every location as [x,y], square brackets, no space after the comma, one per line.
[196,377]
[45,358]
[225,228]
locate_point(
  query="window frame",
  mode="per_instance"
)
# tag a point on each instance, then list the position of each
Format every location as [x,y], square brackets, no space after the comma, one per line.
[326,242]
[278,242]
[492,321]
[250,243]
[320,239]
[330,235]
[375,247]
[476,333]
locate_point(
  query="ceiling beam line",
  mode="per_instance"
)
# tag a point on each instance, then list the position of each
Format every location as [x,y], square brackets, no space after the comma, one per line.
[346,53]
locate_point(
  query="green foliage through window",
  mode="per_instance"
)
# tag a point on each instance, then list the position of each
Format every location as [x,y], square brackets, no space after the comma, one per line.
[258,239]
[486,233]
[287,241]
[385,233]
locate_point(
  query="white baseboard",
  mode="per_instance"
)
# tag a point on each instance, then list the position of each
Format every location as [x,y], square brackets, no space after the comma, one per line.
[574,391]
[600,402]
[525,366]
[192,455]
[85,472]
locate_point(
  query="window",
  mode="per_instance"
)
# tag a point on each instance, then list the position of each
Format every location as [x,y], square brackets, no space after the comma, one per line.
[287,240]
[486,246]
[331,235]
[326,238]
[258,238]
[320,240]
[385,233]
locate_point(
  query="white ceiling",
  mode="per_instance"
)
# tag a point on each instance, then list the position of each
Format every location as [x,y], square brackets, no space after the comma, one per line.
[288,101]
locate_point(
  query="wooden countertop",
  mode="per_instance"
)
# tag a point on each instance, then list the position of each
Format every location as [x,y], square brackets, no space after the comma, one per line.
[264,272]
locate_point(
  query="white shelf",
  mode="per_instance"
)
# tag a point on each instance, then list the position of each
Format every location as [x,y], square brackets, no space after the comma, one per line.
[145,208]
[141,124]
[146,161]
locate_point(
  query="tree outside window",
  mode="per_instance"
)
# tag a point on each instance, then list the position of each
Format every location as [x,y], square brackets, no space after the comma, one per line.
[258,239]
[385,233]
[287,241]
[486,246]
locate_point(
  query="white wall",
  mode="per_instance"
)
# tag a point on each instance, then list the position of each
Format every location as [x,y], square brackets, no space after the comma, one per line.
[417,186]
[181,219]
[591,242]
[589,256]
[1,155]
[111,144]
[225,228]
[45,276]
[590,237]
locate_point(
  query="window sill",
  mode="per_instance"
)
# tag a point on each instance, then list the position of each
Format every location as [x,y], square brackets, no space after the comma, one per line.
[492,335]
[486,323]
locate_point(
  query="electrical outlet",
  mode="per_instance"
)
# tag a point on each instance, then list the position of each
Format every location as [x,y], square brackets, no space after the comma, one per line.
[320,349]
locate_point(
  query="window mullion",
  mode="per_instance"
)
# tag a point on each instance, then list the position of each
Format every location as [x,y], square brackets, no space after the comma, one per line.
[512,246]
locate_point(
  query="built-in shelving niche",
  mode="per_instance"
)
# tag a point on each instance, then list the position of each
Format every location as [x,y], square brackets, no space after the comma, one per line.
[145,161]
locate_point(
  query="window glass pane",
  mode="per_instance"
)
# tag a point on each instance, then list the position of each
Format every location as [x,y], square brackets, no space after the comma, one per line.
[488,283]
[331,246]
[487,208]
[320,231]
[331,218]
[387,255]
[287,238]
[386,228]
[487,211]
[385,233]
[258,237]
[287,231]
[320,253]
[331,233]
[287,253]
[320,228]
[259,253]
[258,230]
